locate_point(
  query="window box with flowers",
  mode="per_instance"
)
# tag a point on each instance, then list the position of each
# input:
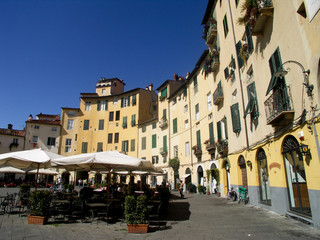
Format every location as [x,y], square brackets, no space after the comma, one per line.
[210,146]
[222,147]
[244,52]
[197,150]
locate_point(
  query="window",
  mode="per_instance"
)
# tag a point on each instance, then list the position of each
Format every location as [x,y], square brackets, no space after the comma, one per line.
[195,84]
[154,125]
[226,73]
[104,105]
[164,93]
[98,105]
[175,125]
[125,102]
[70,124]
[185,108]
[186,124]
[117,115]
[115,100]
[84,147]
[68,145]
[133,145]
[237,2]
[51,141]
[209,100]
[154,140]
[144,129]
[134,100]
[36,127]
[155,159]
[175,151]
[34,139]
[86,125]
[222,129]
[103,92]
[133,120]
[99,147]
[198,139]
[197,111]
[101,124]
[87,106]
[249,39]
[143,143]
[211,133]
[110,138]
[235,114]
[210,116]
[225,26]
[111,114]
[238,48]
[125,146]
[164,142]
[54,129]
[15,141]
[187,146]
[164,114]
[116,137]
[124,122]
[252,106]
[71,113]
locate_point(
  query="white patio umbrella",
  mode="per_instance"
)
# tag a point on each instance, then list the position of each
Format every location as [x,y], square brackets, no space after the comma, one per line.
[109,160]
[35,158]
[43,171]
[11,170]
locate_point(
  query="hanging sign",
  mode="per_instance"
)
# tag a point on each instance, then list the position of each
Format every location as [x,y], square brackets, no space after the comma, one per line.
[304,149]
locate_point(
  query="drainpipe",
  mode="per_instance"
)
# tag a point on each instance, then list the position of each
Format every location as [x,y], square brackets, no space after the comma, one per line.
[190,128]
[241,87]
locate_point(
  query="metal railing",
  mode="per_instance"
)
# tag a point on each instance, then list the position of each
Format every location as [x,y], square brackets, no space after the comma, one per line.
[218,95]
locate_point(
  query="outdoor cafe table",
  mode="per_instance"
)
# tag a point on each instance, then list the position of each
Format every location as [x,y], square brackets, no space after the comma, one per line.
[95,207]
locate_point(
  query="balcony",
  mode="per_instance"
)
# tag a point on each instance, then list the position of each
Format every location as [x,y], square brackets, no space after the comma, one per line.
[163,123]
[218,96]
[212,33]
[163,151]
[258,23]
[212,63]
[222,147]
[210,147]
[279,107]
[197,151]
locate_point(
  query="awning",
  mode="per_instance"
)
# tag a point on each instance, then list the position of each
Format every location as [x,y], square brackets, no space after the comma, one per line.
[185,176]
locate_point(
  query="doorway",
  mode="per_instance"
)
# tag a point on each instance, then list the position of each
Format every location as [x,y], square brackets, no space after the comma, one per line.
[243,168]
[296,177]
[200,174]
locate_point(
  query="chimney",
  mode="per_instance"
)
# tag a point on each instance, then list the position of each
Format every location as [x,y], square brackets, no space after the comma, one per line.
[175,77]
[150,87]
[188,74]
[30,117]
[10,126]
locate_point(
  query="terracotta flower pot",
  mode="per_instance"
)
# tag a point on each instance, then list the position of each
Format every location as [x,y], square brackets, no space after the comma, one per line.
[37,220]
[138,228]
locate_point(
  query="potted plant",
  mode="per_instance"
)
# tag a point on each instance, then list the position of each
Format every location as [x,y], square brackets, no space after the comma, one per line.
[24,193]
[136,214]
[174,163]
[39,205]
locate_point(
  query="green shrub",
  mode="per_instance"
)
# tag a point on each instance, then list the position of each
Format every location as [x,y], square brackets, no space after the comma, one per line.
[191,188]
[136,211]
[130,209]
[39,202]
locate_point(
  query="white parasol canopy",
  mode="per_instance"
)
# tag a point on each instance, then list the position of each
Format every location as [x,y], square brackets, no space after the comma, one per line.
[27,159]
[109,160]
[11,170]
[43,171]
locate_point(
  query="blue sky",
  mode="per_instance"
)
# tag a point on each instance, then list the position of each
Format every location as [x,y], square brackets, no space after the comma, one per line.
[53,50]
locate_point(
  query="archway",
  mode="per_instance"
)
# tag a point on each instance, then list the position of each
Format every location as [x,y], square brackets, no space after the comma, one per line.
[296,176]
[200,174]
[188,179]
[263,173]
[243,168]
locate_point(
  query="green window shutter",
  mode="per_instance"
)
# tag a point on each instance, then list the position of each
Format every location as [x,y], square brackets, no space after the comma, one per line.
[84,147]
[124,122]
[101,124]
[99,147]
[226,72]
[275,64]
[211,133]
[98,106]
[235,118]
[195,81]
[164,117]
[219,130]
[175,125]
[86,125]
[128,101]
[122,102]
[240,60]
[132,146]
[123,146]
[164,93]
[143,143]
[165,143]
[106,104]
[134,100]
[199,139]
[249,39]
[154,140]
[252,106]
[133,120]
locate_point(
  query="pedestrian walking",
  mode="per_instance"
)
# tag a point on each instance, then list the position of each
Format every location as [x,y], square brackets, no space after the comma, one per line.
[181,189]
[214,185]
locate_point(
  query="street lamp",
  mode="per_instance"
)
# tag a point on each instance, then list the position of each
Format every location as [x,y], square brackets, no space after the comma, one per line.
[282,72]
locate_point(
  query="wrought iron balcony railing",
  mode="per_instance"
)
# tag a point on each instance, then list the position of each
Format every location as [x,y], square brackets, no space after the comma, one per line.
[218,95]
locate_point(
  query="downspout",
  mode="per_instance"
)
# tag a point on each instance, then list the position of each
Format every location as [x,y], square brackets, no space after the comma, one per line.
[190,128]
[241,87]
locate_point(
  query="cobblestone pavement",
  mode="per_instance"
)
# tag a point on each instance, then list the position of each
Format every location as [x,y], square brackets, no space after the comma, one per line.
[195,217]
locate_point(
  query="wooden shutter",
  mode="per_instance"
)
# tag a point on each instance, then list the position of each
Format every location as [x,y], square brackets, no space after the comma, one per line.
[154,140]
[211,134]
[249,39]
[98,105]
[235,118]
[175,127]
[219,130]
[165,143]
[199,139]
[240,60]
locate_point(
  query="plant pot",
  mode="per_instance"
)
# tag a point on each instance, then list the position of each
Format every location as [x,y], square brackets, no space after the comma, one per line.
[208,193]
[37,220]
[138,228]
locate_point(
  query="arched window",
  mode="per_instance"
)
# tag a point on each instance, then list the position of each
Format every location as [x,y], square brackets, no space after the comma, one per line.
[263,177]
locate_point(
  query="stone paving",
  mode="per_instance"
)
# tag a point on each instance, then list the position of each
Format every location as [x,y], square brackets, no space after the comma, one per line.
[195,217]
